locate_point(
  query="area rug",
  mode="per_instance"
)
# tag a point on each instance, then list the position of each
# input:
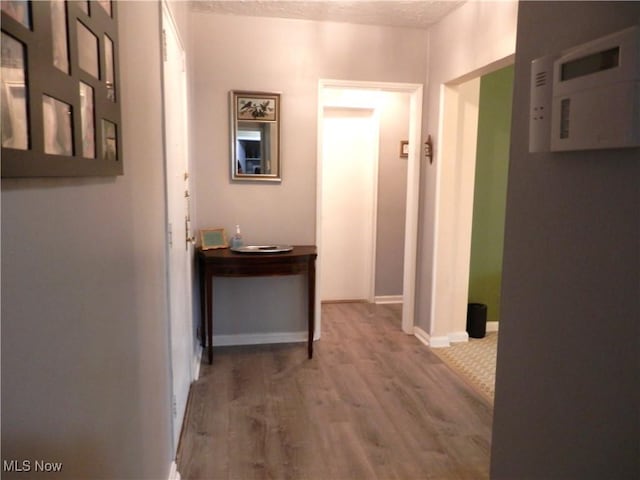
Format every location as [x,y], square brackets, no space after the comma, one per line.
[475,361]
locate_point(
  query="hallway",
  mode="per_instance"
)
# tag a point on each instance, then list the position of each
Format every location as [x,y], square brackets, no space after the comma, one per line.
[373,403]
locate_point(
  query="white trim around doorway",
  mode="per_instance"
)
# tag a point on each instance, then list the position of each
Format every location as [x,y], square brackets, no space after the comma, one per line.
[451,248]
[413,185]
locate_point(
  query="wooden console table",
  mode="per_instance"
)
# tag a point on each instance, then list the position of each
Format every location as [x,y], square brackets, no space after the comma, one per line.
[225,263]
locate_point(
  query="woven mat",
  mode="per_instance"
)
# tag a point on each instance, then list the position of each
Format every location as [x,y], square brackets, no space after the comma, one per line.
[475,361]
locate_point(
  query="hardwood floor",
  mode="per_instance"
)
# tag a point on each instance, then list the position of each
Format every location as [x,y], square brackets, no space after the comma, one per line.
[373,403]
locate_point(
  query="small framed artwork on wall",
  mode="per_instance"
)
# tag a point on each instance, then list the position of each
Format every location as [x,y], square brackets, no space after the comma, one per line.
[260,107]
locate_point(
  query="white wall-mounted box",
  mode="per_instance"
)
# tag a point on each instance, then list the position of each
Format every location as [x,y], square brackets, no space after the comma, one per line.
[594,97]
[540,104]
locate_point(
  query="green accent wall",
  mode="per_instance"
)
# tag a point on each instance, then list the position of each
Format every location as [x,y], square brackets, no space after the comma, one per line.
[490,194]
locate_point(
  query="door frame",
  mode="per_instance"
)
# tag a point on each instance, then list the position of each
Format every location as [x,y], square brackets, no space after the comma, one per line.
[415,90]
[167,22]
[453,213]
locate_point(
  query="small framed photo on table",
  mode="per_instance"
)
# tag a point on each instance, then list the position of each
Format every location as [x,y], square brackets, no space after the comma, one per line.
[211,238]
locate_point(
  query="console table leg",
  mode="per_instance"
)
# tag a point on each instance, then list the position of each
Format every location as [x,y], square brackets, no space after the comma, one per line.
[203,307]
[209,297]
[312,305]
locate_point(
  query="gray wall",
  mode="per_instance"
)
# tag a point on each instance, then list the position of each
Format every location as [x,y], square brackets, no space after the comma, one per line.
[567,385]
[289,56]
[85,366]
[392,194]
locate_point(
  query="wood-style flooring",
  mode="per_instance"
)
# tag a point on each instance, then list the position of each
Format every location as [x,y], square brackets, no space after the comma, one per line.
[373,403]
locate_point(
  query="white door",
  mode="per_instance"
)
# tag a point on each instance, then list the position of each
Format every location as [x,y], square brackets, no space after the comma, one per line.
[180,250]
[349,168]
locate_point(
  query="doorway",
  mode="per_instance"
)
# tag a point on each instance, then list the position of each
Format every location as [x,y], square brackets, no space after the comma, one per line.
[456,164]
[412,186]
[490,190]
[349,162]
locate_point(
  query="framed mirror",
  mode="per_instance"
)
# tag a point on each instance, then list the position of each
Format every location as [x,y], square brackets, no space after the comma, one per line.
[255,136]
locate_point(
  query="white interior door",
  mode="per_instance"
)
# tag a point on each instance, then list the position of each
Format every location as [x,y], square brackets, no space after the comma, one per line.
[349,149]
[180,249]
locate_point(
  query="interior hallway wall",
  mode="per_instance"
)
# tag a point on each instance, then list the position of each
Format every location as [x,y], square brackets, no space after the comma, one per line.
[85,367]
[461,45]
[392,194]
[180,12]
[289,56]
[567,390]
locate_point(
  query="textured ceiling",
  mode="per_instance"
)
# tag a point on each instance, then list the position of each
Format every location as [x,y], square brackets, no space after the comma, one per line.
[394,13]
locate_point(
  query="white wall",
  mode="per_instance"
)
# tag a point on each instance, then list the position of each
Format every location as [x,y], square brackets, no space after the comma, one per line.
[85,368]
[567,390]
[473,39]
[270,54]
[454,211]
[180,12]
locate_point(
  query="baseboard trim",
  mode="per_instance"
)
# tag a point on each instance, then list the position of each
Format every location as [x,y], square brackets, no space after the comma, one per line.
[457,337]
[197,360]
[173,472]
[385,299]
[421,335]
[429,341]
[440,341]
[344,300]
[258,338]
[492,326]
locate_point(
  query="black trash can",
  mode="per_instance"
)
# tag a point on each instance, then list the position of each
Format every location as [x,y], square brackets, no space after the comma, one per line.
[477,320]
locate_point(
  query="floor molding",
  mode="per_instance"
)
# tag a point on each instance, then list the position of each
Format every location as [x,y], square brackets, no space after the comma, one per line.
[457,337]
[429,341]
[440,341]
[173,472]
[345,300]
[197,360]
[258,338]
[421,335]
[387,299]
[492,326]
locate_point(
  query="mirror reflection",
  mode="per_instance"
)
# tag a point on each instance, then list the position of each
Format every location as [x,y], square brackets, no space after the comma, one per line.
[255,136]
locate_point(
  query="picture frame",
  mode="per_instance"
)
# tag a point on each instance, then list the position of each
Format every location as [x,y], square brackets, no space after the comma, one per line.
[212,238]
[61,116]
[254,142]
[257,106]
[404,149]
[18,10]
[15,133]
